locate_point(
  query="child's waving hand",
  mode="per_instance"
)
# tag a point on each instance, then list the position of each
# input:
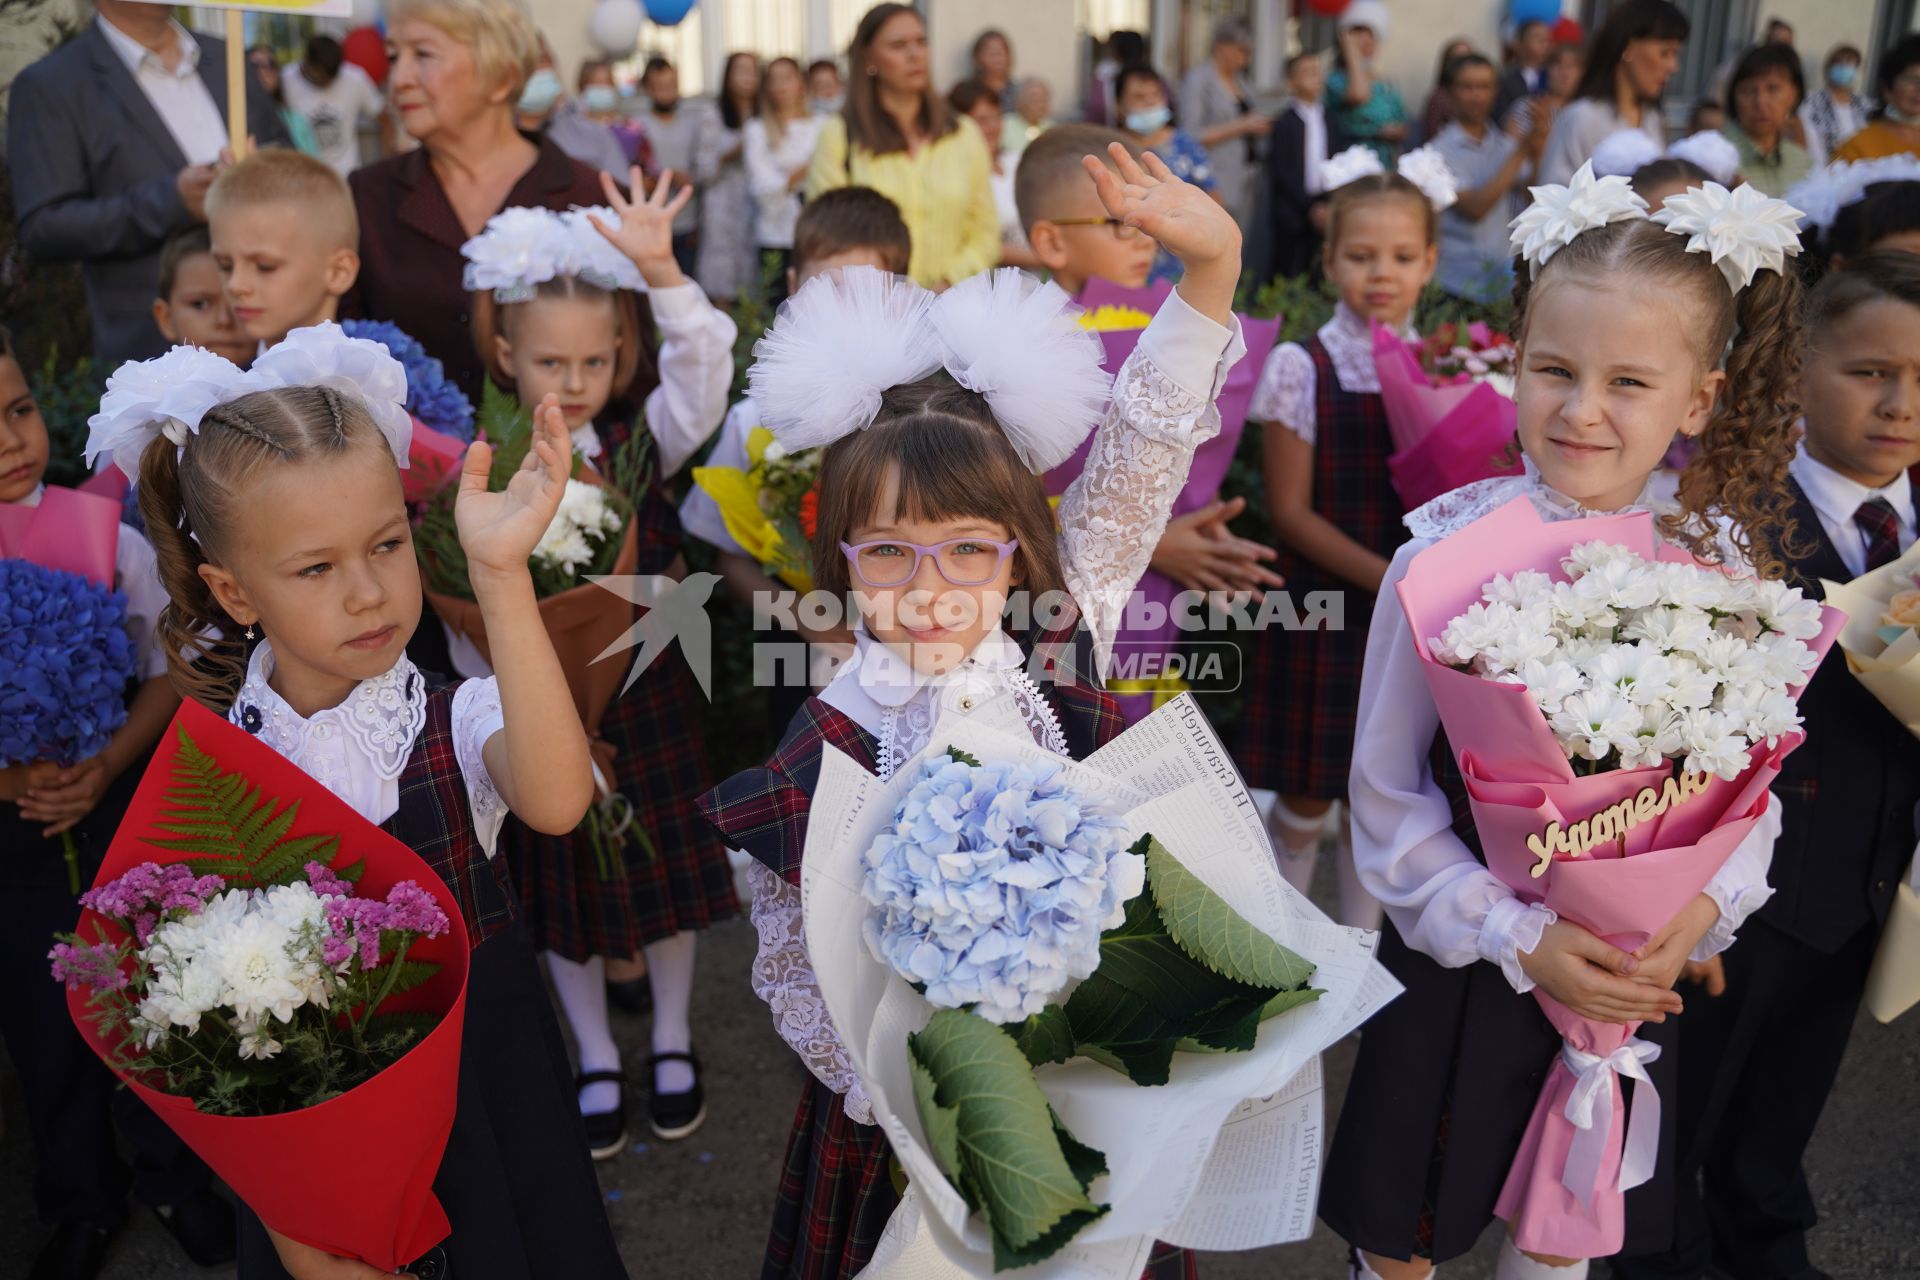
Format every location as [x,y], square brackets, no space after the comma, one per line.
[499,531]
[1189,224]
[645,230]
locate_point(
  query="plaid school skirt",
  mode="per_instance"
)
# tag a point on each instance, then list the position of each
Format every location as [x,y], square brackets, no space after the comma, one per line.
[660,765]
[836,1194]
[1302,698]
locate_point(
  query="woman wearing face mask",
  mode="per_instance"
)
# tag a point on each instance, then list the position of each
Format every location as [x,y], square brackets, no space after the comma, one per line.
[600,104]
[544,109]
[1140,96]
[1894,129]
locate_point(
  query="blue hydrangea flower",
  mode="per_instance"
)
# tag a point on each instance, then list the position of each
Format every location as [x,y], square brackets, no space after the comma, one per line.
[993,884]
[65,660]
[431,396]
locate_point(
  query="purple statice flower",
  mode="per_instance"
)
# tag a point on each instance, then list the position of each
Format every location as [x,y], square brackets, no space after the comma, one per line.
[353,924]
[95,967]
[326,883]
[148,891]
[414,910]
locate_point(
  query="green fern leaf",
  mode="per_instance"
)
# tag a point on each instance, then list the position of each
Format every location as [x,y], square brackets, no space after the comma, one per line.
[228,828]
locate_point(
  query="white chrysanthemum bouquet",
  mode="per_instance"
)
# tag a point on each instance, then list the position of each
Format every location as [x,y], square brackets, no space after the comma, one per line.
[1056,991]
[1617,713]
[1635,661]
[587,522]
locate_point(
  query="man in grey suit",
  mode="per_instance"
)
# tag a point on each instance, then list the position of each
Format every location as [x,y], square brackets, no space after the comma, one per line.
[113,139]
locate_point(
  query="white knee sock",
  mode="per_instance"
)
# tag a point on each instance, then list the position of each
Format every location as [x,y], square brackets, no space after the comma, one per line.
[1358,908]
[582,988]
[1296,842]
[1359,1270]
[670,972]
[1515,1265]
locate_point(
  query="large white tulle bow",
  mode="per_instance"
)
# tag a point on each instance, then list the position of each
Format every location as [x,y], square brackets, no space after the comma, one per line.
[170,394]
[521,248]
[848,336]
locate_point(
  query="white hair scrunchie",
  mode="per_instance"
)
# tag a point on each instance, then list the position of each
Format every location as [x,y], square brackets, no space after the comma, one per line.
[169,395]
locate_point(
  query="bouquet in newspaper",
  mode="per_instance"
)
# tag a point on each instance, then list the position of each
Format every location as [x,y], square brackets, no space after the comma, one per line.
[442,414]
[592,535]
[284,984]
[1882,635]
[1618,712]
[1087,1015]
[65,656]
[1449,407]
[769,508]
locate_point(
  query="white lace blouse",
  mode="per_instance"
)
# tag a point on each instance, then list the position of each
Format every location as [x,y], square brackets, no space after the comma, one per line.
[358,749]
[1110,520]
[1285,392]
[1439,896]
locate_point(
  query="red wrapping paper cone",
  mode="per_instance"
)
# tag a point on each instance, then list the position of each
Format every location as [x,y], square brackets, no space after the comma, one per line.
[433,462]
[354,1175]
[70,530]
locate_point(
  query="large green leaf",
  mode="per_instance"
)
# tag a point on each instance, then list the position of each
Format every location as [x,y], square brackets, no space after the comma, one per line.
[1213,932]
[229,829]
[1012,1166]
[1047,1036]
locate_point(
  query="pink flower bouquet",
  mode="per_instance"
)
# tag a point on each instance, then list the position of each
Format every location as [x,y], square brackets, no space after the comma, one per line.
[1448,429]
[1570,687]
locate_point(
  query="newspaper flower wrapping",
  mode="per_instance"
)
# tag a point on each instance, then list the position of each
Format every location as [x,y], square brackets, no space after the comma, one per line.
[1444,435]
[1649,844]
[1100,1160]
[353,1175]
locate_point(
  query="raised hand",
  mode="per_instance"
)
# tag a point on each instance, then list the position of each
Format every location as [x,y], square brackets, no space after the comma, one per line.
[645,230]
[499,531]
[1189,224]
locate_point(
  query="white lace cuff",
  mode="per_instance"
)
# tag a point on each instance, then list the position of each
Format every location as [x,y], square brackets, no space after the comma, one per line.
[782,975]
[476,718]
[1511,927]
[1285,393]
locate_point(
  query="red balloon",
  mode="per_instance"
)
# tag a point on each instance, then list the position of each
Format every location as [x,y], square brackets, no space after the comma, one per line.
[1327,8]
[1568,31]
[366,48]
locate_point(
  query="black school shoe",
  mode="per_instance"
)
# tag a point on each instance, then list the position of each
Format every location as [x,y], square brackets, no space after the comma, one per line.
[606,1130]
[203,1226]
[634,996]
[673,1116]
[76,1251]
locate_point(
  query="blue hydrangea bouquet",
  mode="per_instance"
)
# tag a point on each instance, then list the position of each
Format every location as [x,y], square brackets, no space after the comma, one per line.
[1060,983]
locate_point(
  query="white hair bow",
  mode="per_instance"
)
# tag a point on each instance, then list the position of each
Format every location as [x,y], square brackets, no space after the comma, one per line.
[848,336]
[1744,231]
[1424,167]
[1831,188]
[170,394]
[521,248]
[1558,213]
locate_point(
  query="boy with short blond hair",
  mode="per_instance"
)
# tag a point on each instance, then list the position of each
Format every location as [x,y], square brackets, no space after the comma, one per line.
[287,240]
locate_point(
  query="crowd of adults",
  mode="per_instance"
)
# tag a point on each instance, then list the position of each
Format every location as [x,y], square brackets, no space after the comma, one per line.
[464,113]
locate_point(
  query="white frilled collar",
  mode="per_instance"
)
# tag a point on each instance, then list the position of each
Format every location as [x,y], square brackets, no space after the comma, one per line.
[878,678]
[1451,512]
[1348,338]
[379,719]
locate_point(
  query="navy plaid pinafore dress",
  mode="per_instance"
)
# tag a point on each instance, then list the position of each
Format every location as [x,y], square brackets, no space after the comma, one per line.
[516,1180]
[1303,687]
[1442,1089]
[660,766]
[836,1185]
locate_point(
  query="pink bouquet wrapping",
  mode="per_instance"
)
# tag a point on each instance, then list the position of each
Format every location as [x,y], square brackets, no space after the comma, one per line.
[71,529]
[1619,852]
[1445,434]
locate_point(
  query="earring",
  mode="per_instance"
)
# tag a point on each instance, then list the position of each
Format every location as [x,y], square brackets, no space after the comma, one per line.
[249,631]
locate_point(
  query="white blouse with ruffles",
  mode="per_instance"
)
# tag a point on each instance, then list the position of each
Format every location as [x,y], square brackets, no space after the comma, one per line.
[1285,392]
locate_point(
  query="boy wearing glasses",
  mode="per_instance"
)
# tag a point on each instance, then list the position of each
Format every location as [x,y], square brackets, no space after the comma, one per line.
[1066,224]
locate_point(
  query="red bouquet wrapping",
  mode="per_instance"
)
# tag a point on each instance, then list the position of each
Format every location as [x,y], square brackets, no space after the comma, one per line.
[353,1175]
[1445,434]
[1619,852]
[434,459]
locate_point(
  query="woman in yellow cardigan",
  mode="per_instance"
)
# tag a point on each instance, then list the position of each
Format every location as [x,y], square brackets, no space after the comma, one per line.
[900,138]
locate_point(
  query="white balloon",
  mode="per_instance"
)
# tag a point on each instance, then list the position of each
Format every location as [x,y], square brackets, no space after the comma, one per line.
[614,26]
[365,13]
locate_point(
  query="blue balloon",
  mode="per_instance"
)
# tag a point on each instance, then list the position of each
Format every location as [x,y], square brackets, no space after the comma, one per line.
[1522,11]
[666,13]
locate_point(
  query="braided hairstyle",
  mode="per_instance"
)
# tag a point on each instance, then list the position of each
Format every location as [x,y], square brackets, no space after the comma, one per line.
[190,496]
[1740,471]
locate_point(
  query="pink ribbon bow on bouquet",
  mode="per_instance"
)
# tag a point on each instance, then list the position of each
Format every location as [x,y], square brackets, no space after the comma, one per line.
[1443,436]
[1656,842]
[69,530]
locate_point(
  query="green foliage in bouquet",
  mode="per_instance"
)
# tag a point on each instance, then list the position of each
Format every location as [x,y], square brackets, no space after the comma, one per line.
[1183,971]
[229,829]
[507,425]
[68,393]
